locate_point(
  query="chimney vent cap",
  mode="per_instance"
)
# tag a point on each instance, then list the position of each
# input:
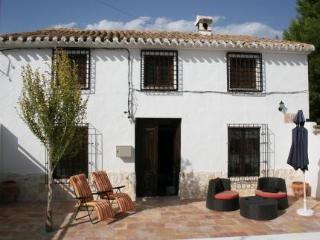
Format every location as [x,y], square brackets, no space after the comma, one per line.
[203,24]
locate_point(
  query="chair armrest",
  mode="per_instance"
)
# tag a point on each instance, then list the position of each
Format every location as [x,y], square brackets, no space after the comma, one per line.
[122,186]
[81,198]
[101,192]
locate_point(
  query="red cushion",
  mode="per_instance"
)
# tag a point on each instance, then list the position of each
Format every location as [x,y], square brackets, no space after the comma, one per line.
[277,195]
[226,195]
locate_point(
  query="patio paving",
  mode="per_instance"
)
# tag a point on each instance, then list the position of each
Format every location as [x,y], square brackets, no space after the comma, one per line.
[157,218]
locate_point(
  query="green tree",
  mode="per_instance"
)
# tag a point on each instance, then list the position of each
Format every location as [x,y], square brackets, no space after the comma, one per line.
[52,107]
[306,28]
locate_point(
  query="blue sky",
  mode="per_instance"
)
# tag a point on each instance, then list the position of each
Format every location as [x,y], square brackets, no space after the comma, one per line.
[265,18]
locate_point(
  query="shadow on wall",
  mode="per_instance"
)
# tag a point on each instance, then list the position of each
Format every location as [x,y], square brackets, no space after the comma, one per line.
[92,78]
[318,182]
[30,56]
[221,58]
[204,58]
[95,149]
[29,173]
[285,60]
[16,159]
[7,65]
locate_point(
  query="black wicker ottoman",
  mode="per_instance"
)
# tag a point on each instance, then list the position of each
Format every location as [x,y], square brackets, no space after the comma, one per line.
[258,208]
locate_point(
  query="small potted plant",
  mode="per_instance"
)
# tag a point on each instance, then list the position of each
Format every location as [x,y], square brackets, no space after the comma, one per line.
[297,189]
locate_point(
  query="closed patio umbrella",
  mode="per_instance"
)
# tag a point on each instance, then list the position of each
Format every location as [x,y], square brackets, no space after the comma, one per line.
[298,156]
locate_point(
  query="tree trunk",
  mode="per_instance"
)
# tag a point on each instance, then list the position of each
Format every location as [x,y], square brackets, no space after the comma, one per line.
[49,222]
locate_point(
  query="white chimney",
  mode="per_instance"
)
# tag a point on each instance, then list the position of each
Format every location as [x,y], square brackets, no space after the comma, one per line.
[203,24]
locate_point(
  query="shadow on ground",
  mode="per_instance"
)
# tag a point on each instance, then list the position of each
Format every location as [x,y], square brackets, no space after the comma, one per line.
[155,218]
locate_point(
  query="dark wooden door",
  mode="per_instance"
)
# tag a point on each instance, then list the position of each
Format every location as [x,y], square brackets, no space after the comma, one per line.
[177,156]
[157,157]
[147,150]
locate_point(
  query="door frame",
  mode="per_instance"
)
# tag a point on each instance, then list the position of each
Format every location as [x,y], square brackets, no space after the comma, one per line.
[176,122]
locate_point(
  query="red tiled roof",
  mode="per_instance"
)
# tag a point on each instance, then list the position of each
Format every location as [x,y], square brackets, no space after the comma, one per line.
[133,37]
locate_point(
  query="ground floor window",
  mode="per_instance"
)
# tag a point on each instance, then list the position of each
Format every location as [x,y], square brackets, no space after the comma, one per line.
[75,162]
[243,151]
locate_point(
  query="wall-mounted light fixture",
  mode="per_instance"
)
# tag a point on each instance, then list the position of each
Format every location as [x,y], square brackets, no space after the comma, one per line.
[282,107]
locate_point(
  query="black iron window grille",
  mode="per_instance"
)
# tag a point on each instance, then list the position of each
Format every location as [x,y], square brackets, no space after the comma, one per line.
[86,160]
[245,72]
[248,151]
[159,70]
[76,161]
[82,59]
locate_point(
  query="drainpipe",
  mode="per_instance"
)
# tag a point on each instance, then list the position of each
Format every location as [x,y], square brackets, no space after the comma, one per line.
[129,111]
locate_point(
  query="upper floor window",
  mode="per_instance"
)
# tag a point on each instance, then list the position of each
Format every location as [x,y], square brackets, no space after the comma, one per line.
[159,70]
[82,59]
[244,72]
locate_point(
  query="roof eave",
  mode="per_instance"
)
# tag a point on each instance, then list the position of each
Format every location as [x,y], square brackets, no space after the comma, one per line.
[163,43]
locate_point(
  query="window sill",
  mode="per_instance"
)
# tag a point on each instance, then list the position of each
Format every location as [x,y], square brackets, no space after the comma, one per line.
[244,90]
[157,89]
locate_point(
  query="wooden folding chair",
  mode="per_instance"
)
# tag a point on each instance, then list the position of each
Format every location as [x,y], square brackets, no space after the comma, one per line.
[85,199]
[106,191]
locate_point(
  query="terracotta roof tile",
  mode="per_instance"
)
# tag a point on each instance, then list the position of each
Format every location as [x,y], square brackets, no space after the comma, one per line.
[186,39]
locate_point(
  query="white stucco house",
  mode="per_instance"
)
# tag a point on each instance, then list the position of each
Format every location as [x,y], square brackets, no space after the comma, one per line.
[167,111]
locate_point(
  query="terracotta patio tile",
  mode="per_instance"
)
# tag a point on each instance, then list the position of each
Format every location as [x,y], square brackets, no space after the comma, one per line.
[167,218]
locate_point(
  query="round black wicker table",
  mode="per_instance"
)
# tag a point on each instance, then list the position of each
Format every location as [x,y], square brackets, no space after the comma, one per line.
[258,208]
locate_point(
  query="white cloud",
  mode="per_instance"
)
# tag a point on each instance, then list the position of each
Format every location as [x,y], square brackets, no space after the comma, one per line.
[148,23]
[66,25]
[105,24]
[167,24]
[138,23]
[145,23]
[249,28]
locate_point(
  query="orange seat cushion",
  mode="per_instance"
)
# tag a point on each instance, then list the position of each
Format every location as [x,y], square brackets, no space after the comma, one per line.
[225,195]
[277,195]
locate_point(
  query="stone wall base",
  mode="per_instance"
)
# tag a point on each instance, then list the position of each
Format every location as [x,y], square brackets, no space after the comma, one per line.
[128,179]
[32,187]
[193,185]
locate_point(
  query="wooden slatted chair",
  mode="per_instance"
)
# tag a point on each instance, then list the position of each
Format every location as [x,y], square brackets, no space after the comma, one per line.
[85,200]
[104,187]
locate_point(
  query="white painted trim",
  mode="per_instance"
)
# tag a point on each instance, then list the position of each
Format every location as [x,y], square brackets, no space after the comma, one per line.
[159,43]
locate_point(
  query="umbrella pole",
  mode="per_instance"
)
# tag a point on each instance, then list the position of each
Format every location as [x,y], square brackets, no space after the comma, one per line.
[304,211]
[304,193]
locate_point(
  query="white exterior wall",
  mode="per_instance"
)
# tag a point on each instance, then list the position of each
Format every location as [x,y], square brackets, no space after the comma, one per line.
[21,152]
[204,116]
[313,173]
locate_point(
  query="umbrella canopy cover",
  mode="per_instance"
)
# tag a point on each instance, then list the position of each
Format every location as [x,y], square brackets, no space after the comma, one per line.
[298,156]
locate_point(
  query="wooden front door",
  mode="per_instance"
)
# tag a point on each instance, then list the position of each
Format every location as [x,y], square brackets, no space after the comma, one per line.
[147,152]
[157,156]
